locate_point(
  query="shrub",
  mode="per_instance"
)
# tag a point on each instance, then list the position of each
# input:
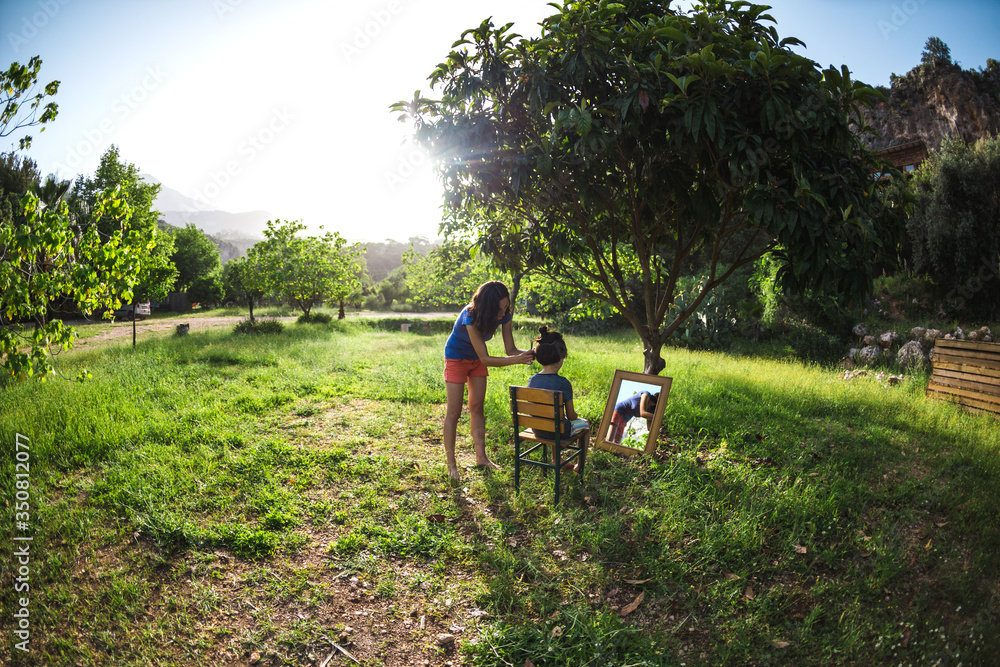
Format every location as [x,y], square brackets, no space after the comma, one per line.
[260,326]
[314,318]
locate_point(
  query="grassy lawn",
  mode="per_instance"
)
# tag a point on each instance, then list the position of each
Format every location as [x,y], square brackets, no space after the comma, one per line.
[281,499]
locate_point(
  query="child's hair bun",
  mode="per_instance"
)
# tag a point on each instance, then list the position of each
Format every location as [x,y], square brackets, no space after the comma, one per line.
[543,329]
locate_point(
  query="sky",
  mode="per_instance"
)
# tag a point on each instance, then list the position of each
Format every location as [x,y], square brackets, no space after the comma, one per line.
[283,105]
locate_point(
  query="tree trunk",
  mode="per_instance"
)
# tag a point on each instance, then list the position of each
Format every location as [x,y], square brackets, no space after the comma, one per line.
[341,315]
[651,346]
[250,301]
[515,287]
[133,324]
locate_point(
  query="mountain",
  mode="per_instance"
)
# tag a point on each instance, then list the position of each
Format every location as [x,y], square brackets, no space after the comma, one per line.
[227,230]
[934,101]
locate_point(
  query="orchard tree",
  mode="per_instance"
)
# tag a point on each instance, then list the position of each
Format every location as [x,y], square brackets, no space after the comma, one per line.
[309,270]
[21,103]
[51,255]
[243,278]
[631,144]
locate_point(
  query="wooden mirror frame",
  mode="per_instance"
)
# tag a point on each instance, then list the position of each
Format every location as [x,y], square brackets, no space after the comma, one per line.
[663,383]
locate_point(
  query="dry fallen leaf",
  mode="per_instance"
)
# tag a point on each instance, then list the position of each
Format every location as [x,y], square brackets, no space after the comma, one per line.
[528,663]
[628,609]
[732,577]
[636,582]
[749,594]
[928,545]
[799,549]
[778,643]
[557,631]
[942,524]
[435,518]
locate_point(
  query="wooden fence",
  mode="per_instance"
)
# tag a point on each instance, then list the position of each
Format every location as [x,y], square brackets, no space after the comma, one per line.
[967,373]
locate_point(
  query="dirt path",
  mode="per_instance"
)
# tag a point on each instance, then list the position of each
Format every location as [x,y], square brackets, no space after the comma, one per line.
[124,329]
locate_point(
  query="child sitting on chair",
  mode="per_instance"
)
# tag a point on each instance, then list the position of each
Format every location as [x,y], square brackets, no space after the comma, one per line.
[550,352]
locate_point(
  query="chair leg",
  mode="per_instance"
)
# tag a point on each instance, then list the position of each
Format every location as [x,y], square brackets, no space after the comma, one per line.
[517,463]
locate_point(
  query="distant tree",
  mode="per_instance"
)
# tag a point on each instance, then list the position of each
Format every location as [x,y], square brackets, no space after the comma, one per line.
[113,173]
[244,281]
[935,52]
[447,276]
[53,190]
[955,226]
[195,256]
[632,144]
[20,106]
[306,271]
[393,287]
[207,290]
[18,174]
[383,258]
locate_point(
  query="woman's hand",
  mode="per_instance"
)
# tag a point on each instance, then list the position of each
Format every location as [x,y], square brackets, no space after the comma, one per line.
[525,357]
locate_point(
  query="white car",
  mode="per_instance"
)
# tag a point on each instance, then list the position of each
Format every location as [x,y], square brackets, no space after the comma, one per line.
[142,311]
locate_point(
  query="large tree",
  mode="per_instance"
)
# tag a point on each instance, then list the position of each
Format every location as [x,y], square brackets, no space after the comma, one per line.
[48,254]
[156,275]
[631,144]
[955,227]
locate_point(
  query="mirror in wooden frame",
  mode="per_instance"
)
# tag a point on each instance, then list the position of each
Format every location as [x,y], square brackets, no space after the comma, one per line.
[633,413]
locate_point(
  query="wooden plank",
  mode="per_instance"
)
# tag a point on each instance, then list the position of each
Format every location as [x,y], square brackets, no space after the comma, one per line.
[546,396]
[964,393]
[969,403]
[968,357]
[538,423]
[563,444]
[535,409]
[967,368]
[969,345]
[985,380]
[974,387]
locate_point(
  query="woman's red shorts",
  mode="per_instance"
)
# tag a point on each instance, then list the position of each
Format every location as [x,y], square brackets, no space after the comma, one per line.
[460,370]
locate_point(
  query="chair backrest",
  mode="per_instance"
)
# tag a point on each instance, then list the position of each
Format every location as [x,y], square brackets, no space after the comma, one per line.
[539,409]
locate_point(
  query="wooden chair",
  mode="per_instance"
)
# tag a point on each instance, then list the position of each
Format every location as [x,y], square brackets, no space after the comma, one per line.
[542,409]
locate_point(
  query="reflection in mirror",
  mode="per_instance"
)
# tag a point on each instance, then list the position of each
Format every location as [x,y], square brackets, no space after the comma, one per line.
[633,413]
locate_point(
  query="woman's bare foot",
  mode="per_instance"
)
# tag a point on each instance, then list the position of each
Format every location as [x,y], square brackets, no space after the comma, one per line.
[486,463]
[454,476]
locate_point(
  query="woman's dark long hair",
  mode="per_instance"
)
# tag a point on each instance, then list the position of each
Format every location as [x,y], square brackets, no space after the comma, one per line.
[485,306]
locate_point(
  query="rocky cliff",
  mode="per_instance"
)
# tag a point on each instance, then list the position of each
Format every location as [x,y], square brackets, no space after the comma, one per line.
[934,101]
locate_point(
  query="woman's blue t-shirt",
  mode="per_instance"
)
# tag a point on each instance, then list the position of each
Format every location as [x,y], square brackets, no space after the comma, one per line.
[459,345]
[629,407]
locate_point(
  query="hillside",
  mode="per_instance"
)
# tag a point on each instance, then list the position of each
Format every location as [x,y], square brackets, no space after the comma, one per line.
[936,100]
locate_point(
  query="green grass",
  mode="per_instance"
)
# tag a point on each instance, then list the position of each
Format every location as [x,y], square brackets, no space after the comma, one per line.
[206,498]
